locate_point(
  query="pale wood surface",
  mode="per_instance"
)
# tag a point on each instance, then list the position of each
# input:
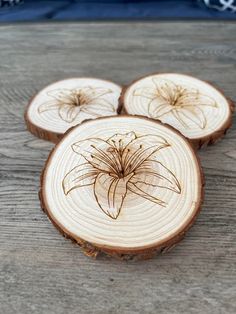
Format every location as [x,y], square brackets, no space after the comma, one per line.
[41,272]
[47,117]
[123,216]
[200,112]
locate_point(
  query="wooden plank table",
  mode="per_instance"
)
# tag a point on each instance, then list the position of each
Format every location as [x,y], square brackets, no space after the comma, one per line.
[40,271]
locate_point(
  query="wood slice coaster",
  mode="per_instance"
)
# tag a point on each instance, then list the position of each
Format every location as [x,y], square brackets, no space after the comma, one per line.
[127,186]
[194,107]
[66,103]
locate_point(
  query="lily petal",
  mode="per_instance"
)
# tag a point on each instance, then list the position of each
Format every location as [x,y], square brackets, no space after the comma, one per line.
[146,92]
[178,116]
[205,100]
[68,113]
[194,115]
[158,110]
[140,149]
[95,92]
[98,153]
[48,105]
[110,193]
[144,192]
[120,141]
[154,174]
[79,176]
[196,99]
[60,94]
[96,107]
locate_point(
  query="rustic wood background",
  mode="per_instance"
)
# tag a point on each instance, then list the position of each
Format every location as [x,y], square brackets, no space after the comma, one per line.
[40,271]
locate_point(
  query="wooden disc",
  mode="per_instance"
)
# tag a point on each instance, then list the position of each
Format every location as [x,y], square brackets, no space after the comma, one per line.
[194,107]
[63,104]
[122,185]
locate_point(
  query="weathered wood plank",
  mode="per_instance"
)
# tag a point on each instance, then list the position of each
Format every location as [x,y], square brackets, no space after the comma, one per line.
[41,272]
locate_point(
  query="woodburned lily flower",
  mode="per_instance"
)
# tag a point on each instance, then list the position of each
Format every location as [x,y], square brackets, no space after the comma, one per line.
[185,104]
[122,163]
[71,102]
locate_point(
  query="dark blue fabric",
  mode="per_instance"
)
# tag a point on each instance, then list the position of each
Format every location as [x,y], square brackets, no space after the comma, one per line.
[109,9]
[32,10]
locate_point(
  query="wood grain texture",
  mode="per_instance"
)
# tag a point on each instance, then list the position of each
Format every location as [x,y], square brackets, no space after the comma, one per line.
[123,217]
[40,272]
[193,122]
[47,116]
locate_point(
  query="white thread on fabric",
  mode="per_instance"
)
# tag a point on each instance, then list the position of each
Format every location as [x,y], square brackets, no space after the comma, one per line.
[222,5]
[10,3]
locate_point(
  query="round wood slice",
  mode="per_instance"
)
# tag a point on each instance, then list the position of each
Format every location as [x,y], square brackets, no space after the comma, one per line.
[194,107]
[63,104]
[127,186]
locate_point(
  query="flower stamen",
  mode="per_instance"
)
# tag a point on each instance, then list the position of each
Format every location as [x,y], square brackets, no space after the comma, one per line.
[107,160]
